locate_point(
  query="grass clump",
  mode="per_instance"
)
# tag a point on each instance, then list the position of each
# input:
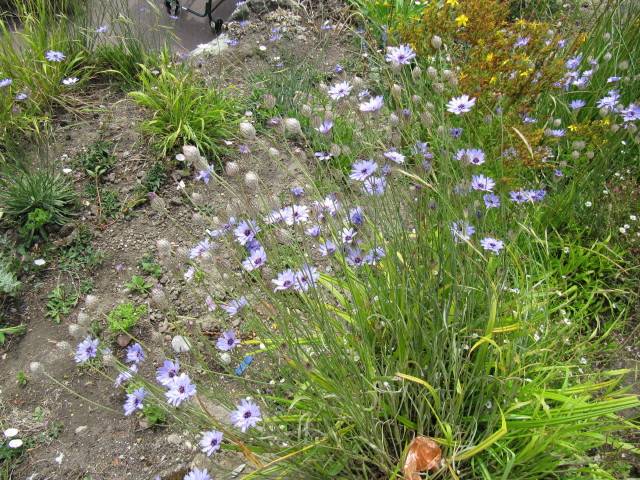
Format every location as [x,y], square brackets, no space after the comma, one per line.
[124,317]
[183,111]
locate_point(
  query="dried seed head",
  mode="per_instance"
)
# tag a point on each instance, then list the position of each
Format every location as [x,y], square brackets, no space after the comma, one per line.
[268,101]
[432,73]
[247,130]
[251,180]
[292,126]
[63,346]
[91,303]
[197,198]
[396,91]
[191,154]
[274,153]
[416,73]
[164,247]
[335,149]
[306,111]
[438,87]
[436,42]
[232,169]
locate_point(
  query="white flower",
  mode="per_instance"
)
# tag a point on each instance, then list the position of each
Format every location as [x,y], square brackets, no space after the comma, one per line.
[39,262]
[588,204]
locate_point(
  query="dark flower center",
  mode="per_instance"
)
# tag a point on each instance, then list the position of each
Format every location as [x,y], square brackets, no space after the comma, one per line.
[181,389]
[247,414]
[230,341]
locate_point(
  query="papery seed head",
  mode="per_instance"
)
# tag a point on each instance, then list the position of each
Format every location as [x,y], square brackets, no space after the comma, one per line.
[232,169]
[251,180]
[416,73]
[292,126]
[274,153]
[432,73]
[268,101]
[306,111]
[191,154]
[164,247]
[247,130]
[436,42]
[91,303]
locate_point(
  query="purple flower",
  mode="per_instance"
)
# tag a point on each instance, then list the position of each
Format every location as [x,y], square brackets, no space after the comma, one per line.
[475,156]
[339,90]
[87,349]
[338,68]
[295,214]
[374,185]
[313,231]
[306,277]
[102,29]
[234,306]
[135,354]
[246,231]
[573,63]
[5,82]
[613,79]
[232,42]
[394,156]
[22,96]
[197,474]
[205,175]
[631,113]
[323,156]
[461,104]
[537,195]
[134,401]
[201,248]
[356,216]
[255,260]
[285,280]
[246,415]
[362,169]
[227,341]
[522,42]
[325,127]
[462,231]
[519,196]
[372,105]
[610,101]
[482,183]
[180,390]
[348,235]
[355,257]
[244,149]
[456,132]
[125,375]
[577,104]
[491,200]
[168,372]
[556,132]
[492,245]
[401,55]
[374,256]
[297,191]
[211,305]
[558,173]
[70,81]
[210,442]
[54,56]
[327,248]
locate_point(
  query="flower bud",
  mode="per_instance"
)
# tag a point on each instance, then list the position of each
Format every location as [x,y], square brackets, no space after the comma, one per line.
[432,73]
[416,98]
[251,180]
[575,154]
[394,120]
[199,219]
[306,111]
[557,122]
[232,169]
[247,130]
[623,65]
[201,163]
[438,87]
[436,42]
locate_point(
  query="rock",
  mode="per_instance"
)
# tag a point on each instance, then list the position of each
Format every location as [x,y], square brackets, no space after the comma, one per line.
[80,429]
[174,439]
[123,340]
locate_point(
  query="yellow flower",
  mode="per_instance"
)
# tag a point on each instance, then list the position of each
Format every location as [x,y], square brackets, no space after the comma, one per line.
[490,57]
[573,128]
[462,20]
[453,3]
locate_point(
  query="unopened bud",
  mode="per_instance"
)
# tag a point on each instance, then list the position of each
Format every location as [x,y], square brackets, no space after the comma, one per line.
[306,111]
[416,73]
[432,73]
[396,91]
[269,101]
[436,42]
[232,168]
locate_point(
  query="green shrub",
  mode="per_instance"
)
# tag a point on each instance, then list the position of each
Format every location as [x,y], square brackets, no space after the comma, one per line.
[37,198]
[184,111]
[125,316]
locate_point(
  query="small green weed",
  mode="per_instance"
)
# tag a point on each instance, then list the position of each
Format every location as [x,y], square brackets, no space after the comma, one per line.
[149,266]
[139,285]
[21,379]
[154,414]
[60,301]
[155,177]
[98,159]
[125,316]
[81,254]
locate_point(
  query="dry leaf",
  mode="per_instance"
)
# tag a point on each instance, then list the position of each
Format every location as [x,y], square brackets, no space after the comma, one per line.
[424,454]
